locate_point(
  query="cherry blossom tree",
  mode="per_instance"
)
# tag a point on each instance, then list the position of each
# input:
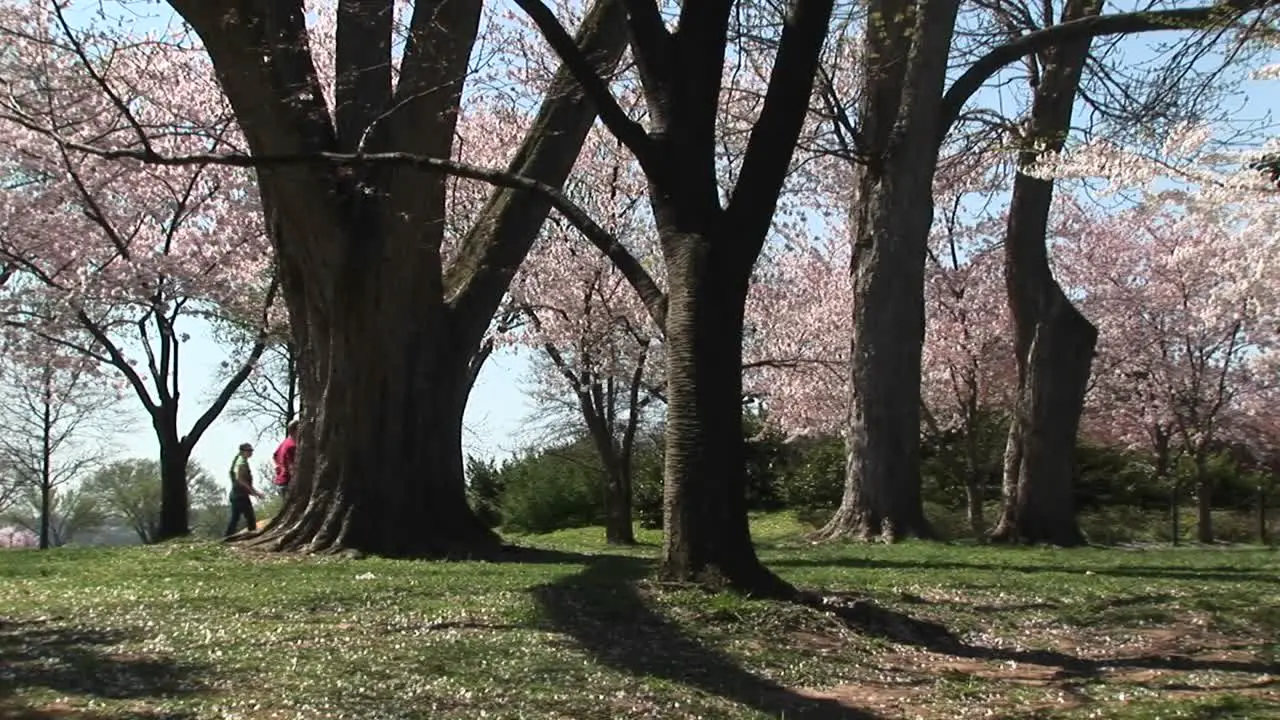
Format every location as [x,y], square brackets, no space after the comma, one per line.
[115,261]
[968,371]
[1182,291]
[592,329]
[387,315]
[902,117]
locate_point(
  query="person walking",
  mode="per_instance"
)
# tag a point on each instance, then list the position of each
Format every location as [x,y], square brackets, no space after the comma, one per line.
[241,490]
[285,458]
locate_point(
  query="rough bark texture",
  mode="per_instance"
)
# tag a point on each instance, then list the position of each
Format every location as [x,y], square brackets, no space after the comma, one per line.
[385,335]
[906,55]
[1053,341]
[704,502]
[1046,420]
[708,250]
[174,501]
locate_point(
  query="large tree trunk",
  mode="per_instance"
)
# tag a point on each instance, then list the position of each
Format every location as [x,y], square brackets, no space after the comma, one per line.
[384,477]
[385,335]
[901,93]
[1053,341]
[707,536]
[1042,436]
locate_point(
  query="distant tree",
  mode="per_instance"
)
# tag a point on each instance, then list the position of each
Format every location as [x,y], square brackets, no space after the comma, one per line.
[53,416]
[16,537]
[130,490]
[55,517]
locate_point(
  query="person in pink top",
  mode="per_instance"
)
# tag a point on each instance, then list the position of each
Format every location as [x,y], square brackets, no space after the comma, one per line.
[285,458]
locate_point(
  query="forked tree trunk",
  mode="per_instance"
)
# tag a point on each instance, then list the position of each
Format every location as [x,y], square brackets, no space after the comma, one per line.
[1040,505]
[386,336]
[707,536]
[1053,341]
[906,56]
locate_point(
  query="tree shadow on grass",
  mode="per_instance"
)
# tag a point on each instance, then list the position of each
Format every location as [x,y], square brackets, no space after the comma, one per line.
[1147,572]
[603,610]
[42,654]
[903,629]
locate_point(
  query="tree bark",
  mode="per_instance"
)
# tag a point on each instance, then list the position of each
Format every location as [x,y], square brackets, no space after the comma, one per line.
[617,529]
[1053,341]
[707,536]
[175,504]
[1261,502]
[385,334]
[1046,420]
[1204,498]
[46,462]
[902,91]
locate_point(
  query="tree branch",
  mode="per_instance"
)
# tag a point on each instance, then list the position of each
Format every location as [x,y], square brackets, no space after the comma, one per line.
[1096,26]
[628,131]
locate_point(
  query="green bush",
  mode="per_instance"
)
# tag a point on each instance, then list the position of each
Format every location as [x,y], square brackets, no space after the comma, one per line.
[552,490]
[484,490]
[646,489]
[814,476]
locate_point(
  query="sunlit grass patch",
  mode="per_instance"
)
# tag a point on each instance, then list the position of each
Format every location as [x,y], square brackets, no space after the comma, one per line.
[205,631]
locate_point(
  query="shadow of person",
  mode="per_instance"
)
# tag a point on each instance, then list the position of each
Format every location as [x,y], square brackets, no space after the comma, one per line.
[602,609]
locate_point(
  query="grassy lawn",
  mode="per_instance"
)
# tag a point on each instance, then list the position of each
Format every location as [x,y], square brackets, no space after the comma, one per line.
[201,631]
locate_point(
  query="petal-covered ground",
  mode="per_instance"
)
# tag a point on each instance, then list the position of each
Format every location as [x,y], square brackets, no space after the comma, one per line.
[578,631]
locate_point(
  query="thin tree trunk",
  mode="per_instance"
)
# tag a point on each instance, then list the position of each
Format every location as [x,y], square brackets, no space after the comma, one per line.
[1053,341]
[1261,502]
[707,536]
[1204,499]
[975,467]
[973,503]
[1174,501]
[46,462]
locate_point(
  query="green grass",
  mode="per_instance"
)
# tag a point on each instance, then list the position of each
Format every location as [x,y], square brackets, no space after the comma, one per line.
[193,630]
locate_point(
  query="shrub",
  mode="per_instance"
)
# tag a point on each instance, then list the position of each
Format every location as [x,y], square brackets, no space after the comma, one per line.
[552,490]
[814,476]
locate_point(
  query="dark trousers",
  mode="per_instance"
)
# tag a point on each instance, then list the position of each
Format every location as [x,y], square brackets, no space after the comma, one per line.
[241,506]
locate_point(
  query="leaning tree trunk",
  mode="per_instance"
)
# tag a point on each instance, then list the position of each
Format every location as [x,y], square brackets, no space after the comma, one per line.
[1053,341]
[1046,421]
[707,537]
[902,89]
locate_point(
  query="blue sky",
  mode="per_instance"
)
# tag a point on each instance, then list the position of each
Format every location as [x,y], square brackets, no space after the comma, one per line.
[498,403]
